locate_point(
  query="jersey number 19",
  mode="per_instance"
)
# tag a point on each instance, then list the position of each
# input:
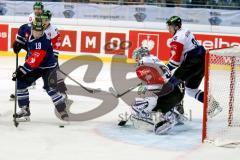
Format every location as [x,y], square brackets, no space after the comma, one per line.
[38,45]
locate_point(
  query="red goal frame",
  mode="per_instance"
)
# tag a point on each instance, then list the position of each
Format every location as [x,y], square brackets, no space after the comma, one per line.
[206,92]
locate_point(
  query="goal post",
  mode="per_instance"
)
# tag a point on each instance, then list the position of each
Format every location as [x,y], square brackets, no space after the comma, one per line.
[222,83]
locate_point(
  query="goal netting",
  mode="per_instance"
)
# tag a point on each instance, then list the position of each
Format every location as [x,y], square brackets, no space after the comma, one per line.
[222,85]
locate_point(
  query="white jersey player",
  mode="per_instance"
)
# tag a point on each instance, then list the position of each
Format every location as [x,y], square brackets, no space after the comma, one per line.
[51,31]
[38,9]
[182,42]
[53,34]
[188,56]
[162,93]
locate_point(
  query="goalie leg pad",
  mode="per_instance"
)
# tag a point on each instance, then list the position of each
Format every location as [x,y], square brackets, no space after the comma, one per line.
[144,106]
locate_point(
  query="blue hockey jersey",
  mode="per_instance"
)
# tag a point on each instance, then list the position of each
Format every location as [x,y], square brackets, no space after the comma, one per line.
[39,51]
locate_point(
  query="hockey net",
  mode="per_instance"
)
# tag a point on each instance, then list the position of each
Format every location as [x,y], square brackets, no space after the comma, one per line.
[222,85]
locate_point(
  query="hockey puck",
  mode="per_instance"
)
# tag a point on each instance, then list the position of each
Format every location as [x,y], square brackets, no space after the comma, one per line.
[122,123]
[61,126]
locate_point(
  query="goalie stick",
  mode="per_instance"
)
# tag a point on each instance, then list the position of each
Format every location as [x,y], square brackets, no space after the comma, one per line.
[118,95]
[123,122]
[89,90]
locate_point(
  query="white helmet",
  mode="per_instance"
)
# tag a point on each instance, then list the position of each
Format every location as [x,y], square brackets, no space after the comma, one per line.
[140,52]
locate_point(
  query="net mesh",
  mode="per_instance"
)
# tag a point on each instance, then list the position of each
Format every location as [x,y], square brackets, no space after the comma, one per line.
[224,91]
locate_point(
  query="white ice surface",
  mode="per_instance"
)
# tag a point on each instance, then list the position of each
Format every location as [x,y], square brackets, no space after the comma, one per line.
[101,138]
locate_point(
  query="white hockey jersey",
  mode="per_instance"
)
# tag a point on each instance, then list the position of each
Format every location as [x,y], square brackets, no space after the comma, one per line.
[31,17]
[53,34]
[182,42]
[152,71]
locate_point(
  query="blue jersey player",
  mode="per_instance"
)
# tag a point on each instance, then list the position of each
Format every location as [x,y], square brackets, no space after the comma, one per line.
[40,63]
[22,36]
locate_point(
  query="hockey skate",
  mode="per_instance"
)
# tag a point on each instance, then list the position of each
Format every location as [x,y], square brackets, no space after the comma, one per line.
[180,118]
[23,115]
[61,111]
[178,110]
[64,115]
[165,123]
[214,109]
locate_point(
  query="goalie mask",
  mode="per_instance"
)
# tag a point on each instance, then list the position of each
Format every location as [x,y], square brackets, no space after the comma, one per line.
[140,52]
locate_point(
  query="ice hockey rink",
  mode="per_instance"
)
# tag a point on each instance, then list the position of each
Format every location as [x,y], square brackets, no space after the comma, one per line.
[101,138]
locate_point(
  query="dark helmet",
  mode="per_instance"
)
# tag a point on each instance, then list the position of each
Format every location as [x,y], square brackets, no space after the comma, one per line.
[38,5]
[46,15]
[37,24]
[175,21]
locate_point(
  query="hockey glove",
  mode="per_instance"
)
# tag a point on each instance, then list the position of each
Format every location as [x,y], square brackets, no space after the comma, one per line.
[17,47]
[141,89]
[19,73]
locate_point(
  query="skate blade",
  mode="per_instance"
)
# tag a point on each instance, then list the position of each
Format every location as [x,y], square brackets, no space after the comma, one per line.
[12,99]
[23,119]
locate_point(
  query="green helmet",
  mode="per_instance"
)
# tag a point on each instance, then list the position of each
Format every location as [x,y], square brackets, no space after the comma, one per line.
[140,52]
[37,24]
[174,20]
[38,5]
[46,15]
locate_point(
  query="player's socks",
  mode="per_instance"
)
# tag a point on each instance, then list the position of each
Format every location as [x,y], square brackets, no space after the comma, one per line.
[200,96]
[195,93]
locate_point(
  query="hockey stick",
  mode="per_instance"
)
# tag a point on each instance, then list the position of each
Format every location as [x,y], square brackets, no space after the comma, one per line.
[15,100]
[117,95]
[89,90]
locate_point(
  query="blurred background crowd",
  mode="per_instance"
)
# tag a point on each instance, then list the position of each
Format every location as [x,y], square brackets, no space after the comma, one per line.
[168,3]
